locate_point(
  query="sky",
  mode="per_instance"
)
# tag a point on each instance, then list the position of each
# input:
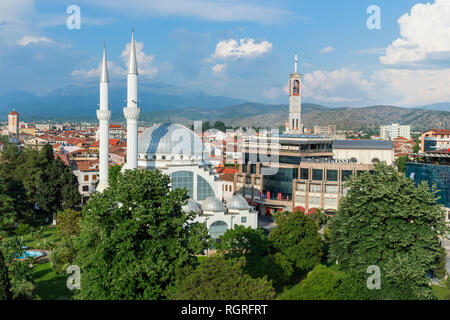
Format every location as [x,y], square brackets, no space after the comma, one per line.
[241,49]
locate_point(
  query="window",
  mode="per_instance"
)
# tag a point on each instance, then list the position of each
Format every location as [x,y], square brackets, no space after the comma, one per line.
[296,88]
[86,178]
[331,189]
[85,188]
[243,219]
[183,179]
[317,174]
[204,190]
[332,175]
[217,229]
[346,174]
[314,201]
[300,199]
[317,188]
[301,186]
[94,177]
[304,173]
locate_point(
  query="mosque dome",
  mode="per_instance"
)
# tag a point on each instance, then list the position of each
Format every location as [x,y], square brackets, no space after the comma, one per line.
[171,139]
[237,202]
[212,204]
[192,206]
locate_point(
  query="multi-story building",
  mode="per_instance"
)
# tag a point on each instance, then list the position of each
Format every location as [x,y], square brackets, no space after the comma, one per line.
[325,130]
[434,169]
[364,151]
[393,131]
[435,139]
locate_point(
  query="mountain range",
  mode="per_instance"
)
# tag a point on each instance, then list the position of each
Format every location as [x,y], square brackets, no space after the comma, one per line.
[161,102]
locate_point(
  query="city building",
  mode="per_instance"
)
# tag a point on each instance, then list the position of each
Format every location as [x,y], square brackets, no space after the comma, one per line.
[393,131]
[13,127]
[220,217]
[325,130]
[435,139]
[433,168]
[364,151]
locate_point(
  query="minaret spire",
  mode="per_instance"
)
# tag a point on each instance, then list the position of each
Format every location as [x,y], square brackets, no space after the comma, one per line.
[132,66]
[103,116]
[132,111]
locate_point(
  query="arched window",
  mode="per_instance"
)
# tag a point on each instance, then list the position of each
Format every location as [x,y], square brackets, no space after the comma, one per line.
[297,124]
[293,126]
[183,179]
[296,87]
[204,189]
[218,228]
[375,160]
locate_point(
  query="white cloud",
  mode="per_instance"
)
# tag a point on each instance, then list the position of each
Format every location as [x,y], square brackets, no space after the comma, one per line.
[113,70]
[425,32]
[337,86]
[218,69]
[246,48]
[327,49]
[276,92]
[372,51]
[26,40]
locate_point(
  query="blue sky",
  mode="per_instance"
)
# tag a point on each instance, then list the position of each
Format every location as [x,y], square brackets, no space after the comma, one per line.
[241,49]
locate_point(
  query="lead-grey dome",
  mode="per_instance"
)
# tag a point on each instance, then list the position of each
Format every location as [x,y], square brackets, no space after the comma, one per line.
[170,138]
[212,204]
[237,202]
[192,206]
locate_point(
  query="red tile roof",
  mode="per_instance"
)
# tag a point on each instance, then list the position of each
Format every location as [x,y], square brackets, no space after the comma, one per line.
[13,113]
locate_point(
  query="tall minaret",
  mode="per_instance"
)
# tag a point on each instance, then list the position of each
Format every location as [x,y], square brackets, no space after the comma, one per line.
[295,101]
[132,110]
[103,116]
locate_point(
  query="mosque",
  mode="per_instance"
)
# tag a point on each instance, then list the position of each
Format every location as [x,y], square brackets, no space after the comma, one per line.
[177,152]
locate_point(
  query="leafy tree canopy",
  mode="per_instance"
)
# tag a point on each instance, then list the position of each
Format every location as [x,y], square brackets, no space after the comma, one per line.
[134,236]
[385,220]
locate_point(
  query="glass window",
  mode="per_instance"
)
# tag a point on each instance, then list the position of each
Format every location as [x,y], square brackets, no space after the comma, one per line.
[317,174]
[183,179]
[359,172]
[204,190]
[315,188]
[346,174]
[304,173]
[253,168]
[301,186]
[243,219]
[331,189]
[85,188]
[86,178]
[217,229]
[332,175]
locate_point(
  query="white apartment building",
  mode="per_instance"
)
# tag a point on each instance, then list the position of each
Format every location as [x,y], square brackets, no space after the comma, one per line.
[394,131]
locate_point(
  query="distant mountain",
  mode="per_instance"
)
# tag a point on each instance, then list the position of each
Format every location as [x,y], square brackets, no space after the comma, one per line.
[445,106]
[80,102]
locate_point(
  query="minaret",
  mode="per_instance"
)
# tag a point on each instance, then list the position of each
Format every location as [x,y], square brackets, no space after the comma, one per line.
[103,116]
[132,110]
[295,101]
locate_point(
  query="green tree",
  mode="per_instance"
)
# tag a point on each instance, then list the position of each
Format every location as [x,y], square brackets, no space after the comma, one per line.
[401,163]
[133,238]
[416,147]
[242,241]
[69,223]
[218,278]
[5,286]
[385,220]
[8,213]
[220,126]
[320,284]
[296,237]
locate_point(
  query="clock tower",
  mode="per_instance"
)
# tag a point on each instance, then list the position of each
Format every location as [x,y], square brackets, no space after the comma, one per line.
[295,101]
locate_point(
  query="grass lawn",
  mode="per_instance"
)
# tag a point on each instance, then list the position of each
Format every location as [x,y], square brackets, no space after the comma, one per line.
[49,285]
[49,235]
[441,293]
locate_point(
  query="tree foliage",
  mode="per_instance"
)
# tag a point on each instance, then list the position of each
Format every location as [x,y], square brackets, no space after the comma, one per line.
[296,237]
[218,278]
[134,236]
[5,286]
[385,220]
[242,241]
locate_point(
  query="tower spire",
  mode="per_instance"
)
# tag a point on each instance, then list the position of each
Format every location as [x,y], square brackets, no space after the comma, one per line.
[295,63]
[132,66]
[104,72]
